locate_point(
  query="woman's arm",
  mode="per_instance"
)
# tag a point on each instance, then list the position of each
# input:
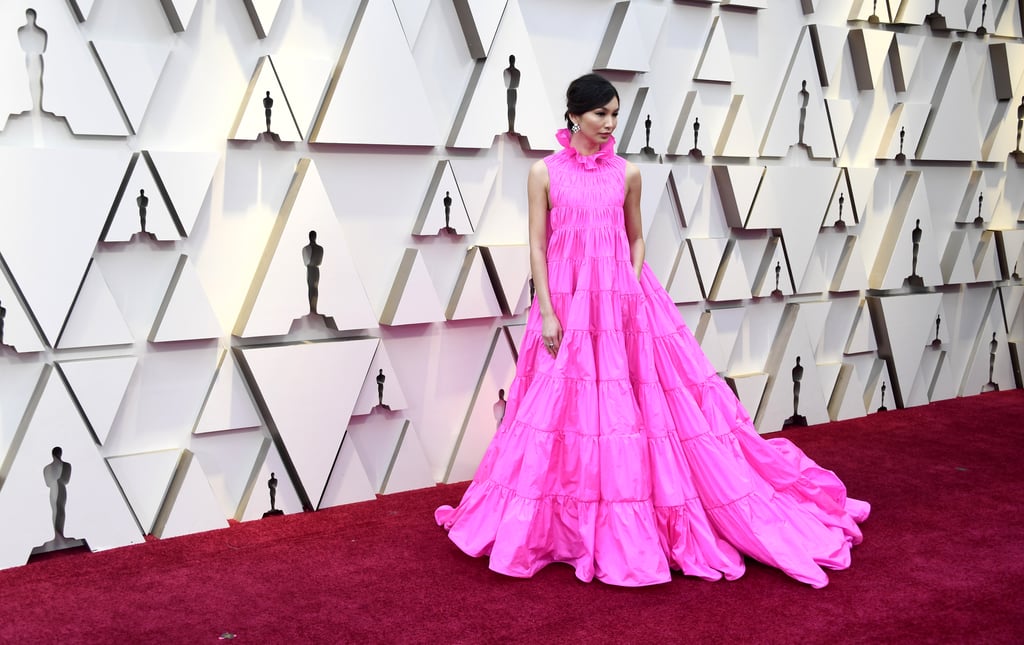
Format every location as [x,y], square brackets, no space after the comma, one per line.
[537,194]
[634,223]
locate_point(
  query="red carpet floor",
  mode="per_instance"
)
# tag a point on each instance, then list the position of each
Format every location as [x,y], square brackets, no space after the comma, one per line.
[942,561]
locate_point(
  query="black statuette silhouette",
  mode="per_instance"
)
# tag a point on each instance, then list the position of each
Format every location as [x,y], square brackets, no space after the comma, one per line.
[695,152]
[268,108]
[936,20]
[903,135]
[873,18]
[647,149]
[313,257]
[804,98]
[447,201]
[979,220]
[512,77]
[142,202]
[882,407]
[981,31]
[380,390]
[272,489]
[938,321]
[1017,154]
[840,224]
[993,347]
[776,292]
[914,280]
[1015,276]
[797,419]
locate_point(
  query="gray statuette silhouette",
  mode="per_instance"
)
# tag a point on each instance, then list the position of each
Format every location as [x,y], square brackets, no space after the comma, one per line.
[647,149]
[380,390]
[805,97]
[981,31]
[3,316]
[993,347]
[1015,276]
[882,407]
[903,135]
[313,257]
[143,203]
[57,476]
[776,292]
[499,408]
[873,18]
[512,77]
[914,280]
[695,152]
[268,108]
[797,419]
[447,201]
[938,321]
[33,42]
[272,489]
[840,224]
[979,220]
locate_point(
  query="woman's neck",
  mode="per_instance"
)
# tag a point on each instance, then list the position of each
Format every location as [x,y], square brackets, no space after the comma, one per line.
[584,145]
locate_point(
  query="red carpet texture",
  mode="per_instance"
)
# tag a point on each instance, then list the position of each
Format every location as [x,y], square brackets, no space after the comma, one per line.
[942,562]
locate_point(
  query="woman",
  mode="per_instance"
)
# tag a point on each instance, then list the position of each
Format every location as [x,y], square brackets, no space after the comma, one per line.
[621,451]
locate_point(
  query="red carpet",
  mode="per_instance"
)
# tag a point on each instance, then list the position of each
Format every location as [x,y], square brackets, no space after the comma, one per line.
[942,561]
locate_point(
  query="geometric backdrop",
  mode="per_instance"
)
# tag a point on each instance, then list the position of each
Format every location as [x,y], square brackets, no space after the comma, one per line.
[261,254]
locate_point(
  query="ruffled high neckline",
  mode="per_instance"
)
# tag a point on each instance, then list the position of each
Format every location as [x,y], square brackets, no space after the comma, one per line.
[591,161]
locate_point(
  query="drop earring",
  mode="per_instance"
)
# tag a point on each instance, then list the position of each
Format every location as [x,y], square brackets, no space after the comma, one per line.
[575,128]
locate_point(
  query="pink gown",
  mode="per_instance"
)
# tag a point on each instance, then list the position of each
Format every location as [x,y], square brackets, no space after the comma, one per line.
[627,455]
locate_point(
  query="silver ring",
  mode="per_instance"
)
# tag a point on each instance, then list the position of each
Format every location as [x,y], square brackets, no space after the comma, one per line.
[551,344]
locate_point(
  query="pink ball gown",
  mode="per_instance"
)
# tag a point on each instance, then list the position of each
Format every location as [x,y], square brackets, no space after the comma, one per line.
[627,455]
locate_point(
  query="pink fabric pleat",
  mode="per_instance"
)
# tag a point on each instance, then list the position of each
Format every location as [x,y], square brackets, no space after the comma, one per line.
[627,455]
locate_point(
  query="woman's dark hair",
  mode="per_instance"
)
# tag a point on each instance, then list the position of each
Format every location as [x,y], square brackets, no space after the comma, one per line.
[586,93]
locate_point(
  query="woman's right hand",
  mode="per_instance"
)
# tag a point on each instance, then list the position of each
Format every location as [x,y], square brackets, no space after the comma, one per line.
[551,333]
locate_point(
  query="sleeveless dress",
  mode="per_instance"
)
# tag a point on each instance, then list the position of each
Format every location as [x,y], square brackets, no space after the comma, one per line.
[626,455]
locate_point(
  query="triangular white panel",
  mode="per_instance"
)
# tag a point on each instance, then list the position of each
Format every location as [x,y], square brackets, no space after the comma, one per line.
[908,49]
[909,325]
[738,186]
[412,14]
[712,342]
[134,70]
[190,505]
[372,90]
[310,390]
[630,38]
[409,468]
[228,459]
[783,388]
[664,237]
[28,184]
[186,176]
[655,186]
[1008,20]
[485,412]
[145,478]
[443,209]
[986,261]
[737,138]
[957,260]
[369,395]
[684,284]
[484,112]
[479,19]
[179,13]
[799,109]
[279,293]
[732,281]
[95,510]
[847,398]
[870,54]
[910,119]
[412,299]
[749,388]
[476,179]
[18,381]
[832,44]
[715,62]
[262,14]
[99,386]
[862,336]
[895,259]
[141,191]
[376,439]
[186,313]
[18,330]
[473,295]
[708,255]
[954,110]
[349,481]
[228,404]
[851,273]
[265,88]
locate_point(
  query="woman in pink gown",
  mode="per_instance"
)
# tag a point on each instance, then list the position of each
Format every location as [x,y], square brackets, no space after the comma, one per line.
[622,452]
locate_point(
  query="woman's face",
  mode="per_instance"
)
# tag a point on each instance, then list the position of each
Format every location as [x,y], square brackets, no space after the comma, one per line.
[599,123]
